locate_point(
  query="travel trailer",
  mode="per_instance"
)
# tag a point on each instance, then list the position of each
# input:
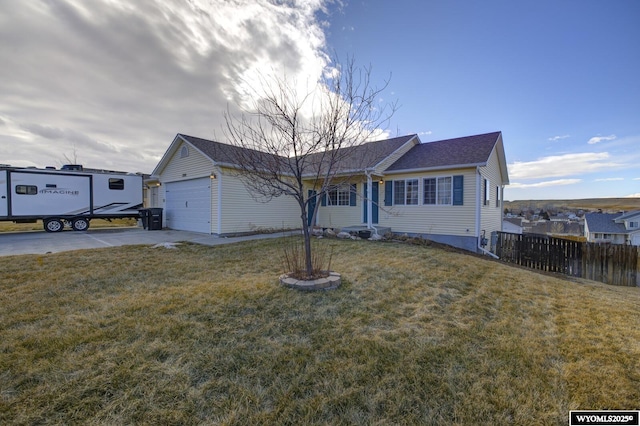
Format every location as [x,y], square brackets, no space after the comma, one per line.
[70,196]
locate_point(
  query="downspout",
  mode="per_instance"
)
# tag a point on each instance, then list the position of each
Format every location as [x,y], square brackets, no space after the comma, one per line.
[219,206]
[478,205]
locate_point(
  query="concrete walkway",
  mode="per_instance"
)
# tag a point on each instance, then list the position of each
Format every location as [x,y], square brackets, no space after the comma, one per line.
[41,242]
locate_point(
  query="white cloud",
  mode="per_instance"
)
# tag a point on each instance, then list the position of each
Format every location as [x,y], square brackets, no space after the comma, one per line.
[119,79]
[636,195]
[608,179]
[557,138]
[562,165]
[545,184]
[598,139]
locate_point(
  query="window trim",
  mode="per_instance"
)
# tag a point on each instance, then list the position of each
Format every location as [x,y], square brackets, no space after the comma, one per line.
[184,151]
[26,190]
[116,184]
[486,194]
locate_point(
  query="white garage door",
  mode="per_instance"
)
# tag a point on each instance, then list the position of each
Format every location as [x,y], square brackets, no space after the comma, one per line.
[188,205]
[635,240]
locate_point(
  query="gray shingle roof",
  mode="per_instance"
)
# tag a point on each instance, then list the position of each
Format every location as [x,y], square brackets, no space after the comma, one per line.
[351,158]
[217,151]
[604,223]
[366,155]
[469,150]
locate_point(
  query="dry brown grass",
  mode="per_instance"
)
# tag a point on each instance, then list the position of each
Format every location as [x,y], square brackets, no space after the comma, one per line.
[415,335]
[611,205]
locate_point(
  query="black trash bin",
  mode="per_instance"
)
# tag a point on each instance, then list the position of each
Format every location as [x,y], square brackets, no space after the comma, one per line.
[155,219]
[144,217]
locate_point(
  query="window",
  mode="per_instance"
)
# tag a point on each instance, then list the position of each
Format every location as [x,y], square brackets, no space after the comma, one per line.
[26,189]
[437,191]
[430,191]
[447,190]
[633,225]
[444,190]
[405,192]
[497,196]
[398,192]
[486,192]
[340,195]
[115,183]
[184,152]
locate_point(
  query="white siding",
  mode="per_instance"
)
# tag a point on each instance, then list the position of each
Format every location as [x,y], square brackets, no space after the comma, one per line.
[342,216]
[182,168]
[490,215]
[432,219]
[242,213]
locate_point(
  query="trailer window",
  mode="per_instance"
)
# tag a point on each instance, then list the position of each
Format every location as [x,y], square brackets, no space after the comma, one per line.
[116,183]
[27,189]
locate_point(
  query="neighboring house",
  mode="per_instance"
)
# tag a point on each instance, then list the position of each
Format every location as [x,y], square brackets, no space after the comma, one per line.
[616,228]
[513,225]
[449,191]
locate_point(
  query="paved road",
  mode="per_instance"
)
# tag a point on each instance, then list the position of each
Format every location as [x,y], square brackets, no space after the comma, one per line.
[41,242]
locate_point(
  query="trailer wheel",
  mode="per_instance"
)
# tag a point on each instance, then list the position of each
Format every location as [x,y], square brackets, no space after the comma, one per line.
[53,225]
[80,224]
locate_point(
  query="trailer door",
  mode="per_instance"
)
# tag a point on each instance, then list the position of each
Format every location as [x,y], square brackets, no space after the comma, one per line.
[4,196]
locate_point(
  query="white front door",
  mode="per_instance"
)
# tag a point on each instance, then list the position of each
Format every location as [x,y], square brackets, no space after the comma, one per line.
[188,205]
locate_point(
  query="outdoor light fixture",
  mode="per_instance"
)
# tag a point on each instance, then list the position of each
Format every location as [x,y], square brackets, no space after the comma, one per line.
[381,181]
[212,175]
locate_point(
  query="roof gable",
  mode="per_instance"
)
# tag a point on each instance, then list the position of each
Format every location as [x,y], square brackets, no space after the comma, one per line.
[459,152]
[628,215]
[604,223]
[362,157]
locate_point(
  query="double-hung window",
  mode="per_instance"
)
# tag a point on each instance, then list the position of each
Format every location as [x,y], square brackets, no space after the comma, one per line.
[339,195]
[405,192]
[437,191]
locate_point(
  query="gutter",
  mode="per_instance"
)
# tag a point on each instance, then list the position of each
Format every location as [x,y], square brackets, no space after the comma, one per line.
[436,168]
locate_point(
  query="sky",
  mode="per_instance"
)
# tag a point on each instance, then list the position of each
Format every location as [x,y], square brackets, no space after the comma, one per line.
[109,83]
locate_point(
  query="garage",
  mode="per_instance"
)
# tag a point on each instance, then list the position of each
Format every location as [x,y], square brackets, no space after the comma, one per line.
[188,205]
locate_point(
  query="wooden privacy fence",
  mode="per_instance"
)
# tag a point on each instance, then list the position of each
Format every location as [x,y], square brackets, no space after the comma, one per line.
[608,263]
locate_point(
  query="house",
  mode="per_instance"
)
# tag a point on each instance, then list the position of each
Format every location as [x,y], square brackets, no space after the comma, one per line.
[616,228]
[450,191]
[513,225]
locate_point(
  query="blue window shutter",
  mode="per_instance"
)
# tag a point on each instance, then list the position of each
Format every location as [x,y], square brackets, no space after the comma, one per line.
[323,202]
[352,195]
[458,190]
[388,193]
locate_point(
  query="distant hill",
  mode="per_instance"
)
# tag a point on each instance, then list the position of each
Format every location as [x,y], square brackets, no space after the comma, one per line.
[607,205]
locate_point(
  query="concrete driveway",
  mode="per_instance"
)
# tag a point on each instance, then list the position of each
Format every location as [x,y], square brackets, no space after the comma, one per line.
[40,242]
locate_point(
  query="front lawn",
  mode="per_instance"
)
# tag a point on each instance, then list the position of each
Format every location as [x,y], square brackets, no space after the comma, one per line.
[206,335]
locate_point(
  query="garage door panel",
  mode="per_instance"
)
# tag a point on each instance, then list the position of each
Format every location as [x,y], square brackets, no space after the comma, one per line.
[188,205]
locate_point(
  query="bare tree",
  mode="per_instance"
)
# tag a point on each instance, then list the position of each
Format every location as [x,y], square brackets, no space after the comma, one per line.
[295,144]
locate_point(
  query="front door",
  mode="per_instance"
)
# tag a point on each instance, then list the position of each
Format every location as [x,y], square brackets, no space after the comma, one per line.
[311,206]
[374,199]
